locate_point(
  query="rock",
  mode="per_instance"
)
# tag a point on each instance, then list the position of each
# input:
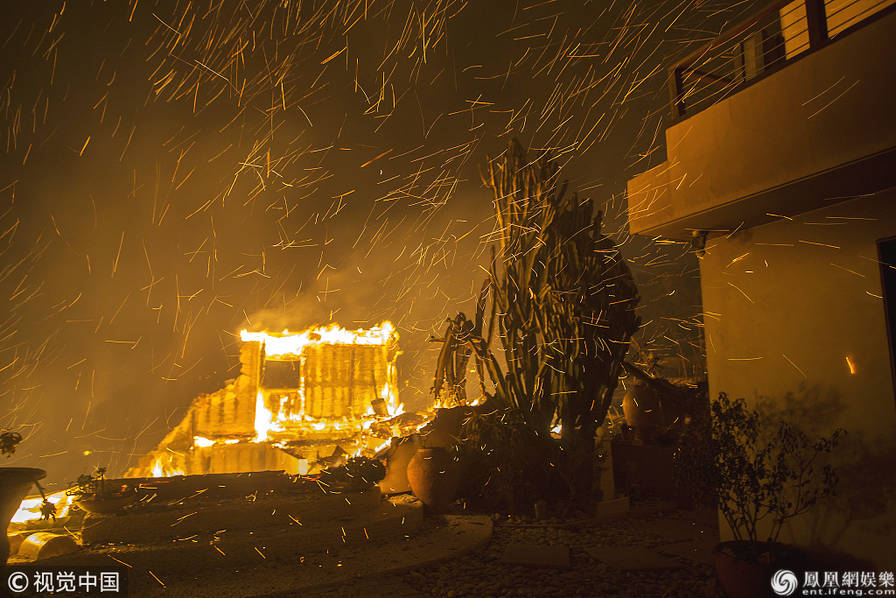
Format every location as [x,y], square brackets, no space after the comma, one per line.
[633,558]
[700,552]
[616,507]
[538,555]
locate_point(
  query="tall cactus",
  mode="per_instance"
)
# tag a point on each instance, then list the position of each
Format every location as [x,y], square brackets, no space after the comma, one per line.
[564,300]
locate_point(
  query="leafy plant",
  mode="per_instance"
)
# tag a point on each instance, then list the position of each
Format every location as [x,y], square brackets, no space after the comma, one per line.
[563,301]
[766,470]
[88,485]
[694,452]
[8,442]
[507,467]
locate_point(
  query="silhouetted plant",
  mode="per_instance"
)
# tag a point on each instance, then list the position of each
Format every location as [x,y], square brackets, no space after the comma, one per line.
[8,442]
[88,485]
[563,304]
[85,485]
[694,455]
[766,470]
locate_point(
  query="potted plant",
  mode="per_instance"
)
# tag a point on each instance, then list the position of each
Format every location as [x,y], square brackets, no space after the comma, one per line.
[15,482]
[766,473]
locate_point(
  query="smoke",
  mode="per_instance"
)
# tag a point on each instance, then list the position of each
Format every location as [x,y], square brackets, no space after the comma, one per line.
[173,173]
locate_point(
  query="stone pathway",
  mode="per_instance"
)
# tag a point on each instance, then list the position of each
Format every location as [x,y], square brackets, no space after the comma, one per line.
[642,555]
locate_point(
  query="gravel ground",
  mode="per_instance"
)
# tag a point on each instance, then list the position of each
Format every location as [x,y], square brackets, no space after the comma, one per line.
[481,574]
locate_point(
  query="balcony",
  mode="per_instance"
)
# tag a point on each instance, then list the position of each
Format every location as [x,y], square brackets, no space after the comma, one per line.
[789,111]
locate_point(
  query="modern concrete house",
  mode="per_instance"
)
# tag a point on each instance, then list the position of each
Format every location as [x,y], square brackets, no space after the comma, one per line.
[781,168]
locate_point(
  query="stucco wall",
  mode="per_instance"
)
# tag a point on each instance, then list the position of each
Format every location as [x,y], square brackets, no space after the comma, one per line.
[827,109]
[785,304]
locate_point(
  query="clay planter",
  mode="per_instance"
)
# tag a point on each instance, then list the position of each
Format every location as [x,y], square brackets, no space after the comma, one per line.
[433,476]
[745,568]
[643,412]
[15,483]
[398,456]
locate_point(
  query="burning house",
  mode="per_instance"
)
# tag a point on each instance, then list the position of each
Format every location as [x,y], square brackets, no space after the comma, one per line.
[301,400]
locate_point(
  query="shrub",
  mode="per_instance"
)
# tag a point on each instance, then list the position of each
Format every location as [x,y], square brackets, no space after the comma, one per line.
[766,470]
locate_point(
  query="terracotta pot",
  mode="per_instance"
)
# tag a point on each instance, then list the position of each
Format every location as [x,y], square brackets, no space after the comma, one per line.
[643,412]
[433,476]
[745,568]
[15,483]
[398,457]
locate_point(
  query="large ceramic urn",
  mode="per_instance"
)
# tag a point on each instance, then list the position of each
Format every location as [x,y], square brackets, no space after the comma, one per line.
[749,569]
[433,476]
[15,483]
[643,411]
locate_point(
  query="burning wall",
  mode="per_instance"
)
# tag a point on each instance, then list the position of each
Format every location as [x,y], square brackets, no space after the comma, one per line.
[298,397]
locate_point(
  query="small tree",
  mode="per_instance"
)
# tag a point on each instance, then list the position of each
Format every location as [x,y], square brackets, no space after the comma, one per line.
[766,472]
[564,302]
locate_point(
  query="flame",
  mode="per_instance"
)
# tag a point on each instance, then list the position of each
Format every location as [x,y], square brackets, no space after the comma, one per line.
[202,442]
[30,508]
[263,419]
[288,343]
[161,469]
[393,405]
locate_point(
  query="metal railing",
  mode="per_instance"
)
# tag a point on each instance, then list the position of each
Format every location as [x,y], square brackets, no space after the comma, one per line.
[762,44]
